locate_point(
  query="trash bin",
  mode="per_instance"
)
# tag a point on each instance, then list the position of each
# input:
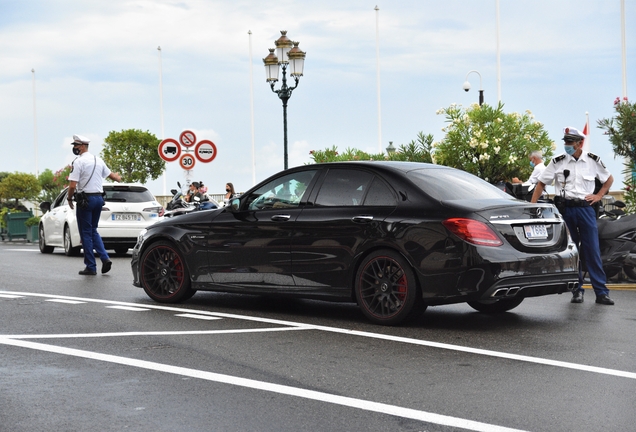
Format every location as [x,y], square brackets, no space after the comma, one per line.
[15,224]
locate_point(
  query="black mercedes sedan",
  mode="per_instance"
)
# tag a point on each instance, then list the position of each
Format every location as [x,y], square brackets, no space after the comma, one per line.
[395,237]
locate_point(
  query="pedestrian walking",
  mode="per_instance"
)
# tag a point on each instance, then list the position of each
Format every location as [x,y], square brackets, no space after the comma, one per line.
[85,186]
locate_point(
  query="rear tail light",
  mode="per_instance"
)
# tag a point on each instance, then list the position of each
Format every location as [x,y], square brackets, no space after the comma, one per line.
[159,210]
[473,231]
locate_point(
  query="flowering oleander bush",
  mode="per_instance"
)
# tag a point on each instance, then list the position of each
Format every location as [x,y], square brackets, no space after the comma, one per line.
[489,143]
[621,130]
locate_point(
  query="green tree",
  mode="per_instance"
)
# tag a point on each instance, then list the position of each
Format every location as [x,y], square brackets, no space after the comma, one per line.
[133,154]
[493,145]
[50,189]
[19,186]
[416,151]
[621,130]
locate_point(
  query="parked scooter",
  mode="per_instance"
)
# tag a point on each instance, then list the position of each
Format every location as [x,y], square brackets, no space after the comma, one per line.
[617,240]
[178,206]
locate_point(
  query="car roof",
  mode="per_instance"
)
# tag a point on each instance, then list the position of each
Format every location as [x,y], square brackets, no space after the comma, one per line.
[402,166]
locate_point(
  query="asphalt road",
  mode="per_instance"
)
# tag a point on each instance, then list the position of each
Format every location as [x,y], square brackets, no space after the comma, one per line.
[80,353]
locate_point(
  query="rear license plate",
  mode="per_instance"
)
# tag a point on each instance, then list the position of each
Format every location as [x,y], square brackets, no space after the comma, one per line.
[535,231]
[126,217]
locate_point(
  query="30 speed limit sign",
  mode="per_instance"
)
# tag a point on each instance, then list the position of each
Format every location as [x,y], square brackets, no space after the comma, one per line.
[187,161]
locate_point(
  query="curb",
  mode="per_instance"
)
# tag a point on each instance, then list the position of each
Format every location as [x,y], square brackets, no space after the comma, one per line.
[615,287]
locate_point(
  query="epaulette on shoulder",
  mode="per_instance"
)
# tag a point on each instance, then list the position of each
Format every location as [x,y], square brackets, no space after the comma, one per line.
[596,159]
[558,159]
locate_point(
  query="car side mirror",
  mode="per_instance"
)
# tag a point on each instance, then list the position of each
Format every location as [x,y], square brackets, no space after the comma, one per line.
[45,206]
[234,205]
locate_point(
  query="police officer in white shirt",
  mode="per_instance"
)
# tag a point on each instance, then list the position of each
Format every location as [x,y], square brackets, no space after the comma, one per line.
[536,162]
[574,174]
[87,174]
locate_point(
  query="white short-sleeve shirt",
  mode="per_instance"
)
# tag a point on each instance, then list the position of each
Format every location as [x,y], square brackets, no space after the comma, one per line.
[82,168]
[580,181]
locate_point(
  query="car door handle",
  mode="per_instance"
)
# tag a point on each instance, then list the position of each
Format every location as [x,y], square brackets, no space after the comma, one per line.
[362,219]
[280,218]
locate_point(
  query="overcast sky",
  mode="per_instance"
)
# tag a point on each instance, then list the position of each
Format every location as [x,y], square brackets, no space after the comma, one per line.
[97,70]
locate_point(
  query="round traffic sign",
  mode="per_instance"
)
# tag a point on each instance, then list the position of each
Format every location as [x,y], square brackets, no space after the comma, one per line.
[169,150]
[187,161]
[187,138]
[205,151]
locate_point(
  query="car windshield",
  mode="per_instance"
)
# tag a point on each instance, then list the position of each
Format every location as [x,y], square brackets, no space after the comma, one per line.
[130,194]
[450,184]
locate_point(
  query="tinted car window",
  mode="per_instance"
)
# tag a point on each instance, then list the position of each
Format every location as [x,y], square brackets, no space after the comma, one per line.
[343,188]
[60,200]
[446,184]
[285,191]
[131,194]
[379,194]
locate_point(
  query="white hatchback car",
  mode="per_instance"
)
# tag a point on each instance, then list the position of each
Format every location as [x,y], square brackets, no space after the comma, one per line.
[129,208]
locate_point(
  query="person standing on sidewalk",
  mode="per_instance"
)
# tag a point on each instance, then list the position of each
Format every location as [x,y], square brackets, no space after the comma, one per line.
[574,174]
[87,174]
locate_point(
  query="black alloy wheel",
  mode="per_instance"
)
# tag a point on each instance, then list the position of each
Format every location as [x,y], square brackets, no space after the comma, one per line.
[42,243]
[164,275]
[386,289]
[500,306]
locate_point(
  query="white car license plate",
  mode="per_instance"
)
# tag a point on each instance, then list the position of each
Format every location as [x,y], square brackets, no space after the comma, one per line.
[126,217]
[535,231]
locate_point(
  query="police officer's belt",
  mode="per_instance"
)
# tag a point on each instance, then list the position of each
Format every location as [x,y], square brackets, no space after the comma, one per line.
[576,202]
[94,193]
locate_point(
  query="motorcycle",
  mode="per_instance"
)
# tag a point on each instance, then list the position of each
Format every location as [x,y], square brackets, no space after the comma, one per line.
[617,240]
[178,206]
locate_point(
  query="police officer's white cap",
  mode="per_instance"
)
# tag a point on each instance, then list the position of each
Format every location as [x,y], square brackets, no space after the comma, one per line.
[572,134]
[79,139]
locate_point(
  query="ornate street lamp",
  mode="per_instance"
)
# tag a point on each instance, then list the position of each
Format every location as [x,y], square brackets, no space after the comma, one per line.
[287,55]
[390,149]
[481,89]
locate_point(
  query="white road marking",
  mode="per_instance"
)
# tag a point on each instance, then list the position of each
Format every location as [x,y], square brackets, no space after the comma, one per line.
[22,250]
[155,333]
[459,348]
[10,296]
[269,387]
[198,316]
[66,301]
[129,308]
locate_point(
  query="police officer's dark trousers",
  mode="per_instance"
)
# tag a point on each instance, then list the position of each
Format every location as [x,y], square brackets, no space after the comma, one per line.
[581,222]
[87,221]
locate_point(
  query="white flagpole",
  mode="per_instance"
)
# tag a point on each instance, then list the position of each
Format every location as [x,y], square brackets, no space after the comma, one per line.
[161,114]
[624,49]
[35,128]
[252,109]
[498,59]
[377,64]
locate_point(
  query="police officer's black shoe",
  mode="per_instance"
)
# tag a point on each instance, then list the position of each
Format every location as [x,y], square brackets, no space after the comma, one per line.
[577,297]
[87,272]
[604,300]
[106,266]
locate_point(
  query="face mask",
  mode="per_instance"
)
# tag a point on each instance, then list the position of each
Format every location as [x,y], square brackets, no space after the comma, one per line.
[569,149]
[76,151]
[531,164]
